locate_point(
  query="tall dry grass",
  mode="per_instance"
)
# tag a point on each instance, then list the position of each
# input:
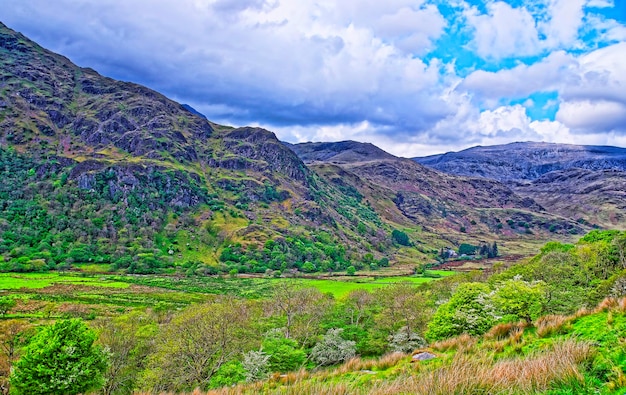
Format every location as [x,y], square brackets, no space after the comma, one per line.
[552,325]
[467,375]
[459,343]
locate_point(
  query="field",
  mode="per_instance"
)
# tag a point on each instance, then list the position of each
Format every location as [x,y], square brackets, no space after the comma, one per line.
[64,295]
[341,288]
[10,281]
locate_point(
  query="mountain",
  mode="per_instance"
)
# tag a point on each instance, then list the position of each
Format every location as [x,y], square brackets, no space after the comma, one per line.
[448,206]
[103,171]
[99,171]
[574,181]
[526,161]
[598,197]
[339,152]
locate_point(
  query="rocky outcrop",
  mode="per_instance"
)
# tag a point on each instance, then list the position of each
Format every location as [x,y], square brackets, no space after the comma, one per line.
[46,98]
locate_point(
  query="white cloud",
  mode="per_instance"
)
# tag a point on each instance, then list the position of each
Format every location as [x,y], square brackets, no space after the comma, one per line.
[593,117]
[504,31]
[600,3]
[594,100]
[411,30]
[546,75]
[353,69]
[565,18]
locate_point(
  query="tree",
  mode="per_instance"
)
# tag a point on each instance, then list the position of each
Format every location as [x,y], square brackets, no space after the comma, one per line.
[61,359]
[400,237]
[301,308]
[403,305]
[128,339]
[256,365]
[469,310]
[333,349]
[192,347]
[13,335]
[517,299]
[467,249]
[6,304]
[405,341]
[494,250]
[284,354]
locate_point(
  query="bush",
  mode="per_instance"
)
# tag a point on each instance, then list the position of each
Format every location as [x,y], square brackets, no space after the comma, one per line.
[284,354]
[405,341]
[228,374]
[256,365]
[400,237]
[333,349]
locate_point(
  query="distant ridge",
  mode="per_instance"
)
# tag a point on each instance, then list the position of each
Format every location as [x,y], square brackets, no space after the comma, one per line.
[339,152]
[526,160]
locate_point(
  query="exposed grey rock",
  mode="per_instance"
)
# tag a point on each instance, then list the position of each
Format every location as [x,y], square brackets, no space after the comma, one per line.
[423,356]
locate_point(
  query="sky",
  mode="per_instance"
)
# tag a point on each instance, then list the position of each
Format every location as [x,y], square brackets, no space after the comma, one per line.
[414,77]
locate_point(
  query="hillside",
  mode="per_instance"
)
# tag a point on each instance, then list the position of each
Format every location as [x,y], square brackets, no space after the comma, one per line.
[595,196]
[339,152]
[526,161]
[97,170]
[454,207]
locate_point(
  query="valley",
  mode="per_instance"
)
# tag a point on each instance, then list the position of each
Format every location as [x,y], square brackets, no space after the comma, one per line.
[155,251]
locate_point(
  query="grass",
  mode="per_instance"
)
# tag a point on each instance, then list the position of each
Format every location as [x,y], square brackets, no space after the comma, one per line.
[42,280]
[340,288]
[89,294]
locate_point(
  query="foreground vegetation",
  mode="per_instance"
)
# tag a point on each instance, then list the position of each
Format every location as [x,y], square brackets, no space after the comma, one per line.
[519,329]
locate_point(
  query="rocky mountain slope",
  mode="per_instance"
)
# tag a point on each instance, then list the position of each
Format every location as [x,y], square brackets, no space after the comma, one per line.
[107,172]
[598,197]
[97,170]
[450,206]
[582,182]
[339,152]
[526,161]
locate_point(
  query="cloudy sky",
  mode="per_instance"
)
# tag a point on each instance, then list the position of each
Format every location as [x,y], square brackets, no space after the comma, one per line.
[415,77]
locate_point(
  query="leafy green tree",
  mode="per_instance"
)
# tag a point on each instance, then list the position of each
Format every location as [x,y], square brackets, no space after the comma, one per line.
[284,354]
[469,310]
[60,359]
[467,249]
[229,374]
[517,299]
[6,304]
[400,237]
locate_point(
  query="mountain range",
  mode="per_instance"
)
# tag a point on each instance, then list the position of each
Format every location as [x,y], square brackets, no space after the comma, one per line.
[583,182]
[98,171]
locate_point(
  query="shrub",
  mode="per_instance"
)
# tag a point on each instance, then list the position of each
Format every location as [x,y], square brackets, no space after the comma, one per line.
[256,365]
[284,354]
[405,341]
[333,349]
[400,237]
